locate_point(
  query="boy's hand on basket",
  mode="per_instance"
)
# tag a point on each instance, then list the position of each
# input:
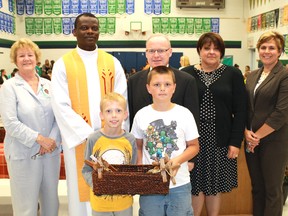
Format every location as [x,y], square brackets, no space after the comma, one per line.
[173,166]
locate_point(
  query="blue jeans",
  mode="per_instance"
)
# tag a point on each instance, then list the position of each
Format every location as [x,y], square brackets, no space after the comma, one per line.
[176,203]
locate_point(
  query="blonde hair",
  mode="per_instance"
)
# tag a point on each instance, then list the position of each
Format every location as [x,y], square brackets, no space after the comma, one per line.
[113,96]
[267,36]
[184,61]
[24,43]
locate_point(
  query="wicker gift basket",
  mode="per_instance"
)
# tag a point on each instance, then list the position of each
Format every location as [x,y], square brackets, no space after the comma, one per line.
[115,179]
[129,179]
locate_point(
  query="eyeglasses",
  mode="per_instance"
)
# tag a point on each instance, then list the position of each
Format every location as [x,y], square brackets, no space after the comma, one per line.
[159,51]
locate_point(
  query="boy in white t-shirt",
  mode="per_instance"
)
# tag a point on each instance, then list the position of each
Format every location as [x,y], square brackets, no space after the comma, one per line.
[166,128]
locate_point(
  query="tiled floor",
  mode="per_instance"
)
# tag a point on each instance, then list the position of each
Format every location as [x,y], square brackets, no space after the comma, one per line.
[6,209]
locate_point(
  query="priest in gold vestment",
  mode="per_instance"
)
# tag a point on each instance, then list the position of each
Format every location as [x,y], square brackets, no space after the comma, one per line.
[79,79]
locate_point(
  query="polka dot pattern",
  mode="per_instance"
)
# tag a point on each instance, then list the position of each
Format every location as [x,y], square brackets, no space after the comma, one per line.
[214,172]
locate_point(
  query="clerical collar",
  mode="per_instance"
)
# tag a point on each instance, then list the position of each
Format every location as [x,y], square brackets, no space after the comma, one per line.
[87,52]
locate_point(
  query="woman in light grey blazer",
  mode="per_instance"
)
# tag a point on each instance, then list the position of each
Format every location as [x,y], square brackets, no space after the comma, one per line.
[32,140]
[267,126]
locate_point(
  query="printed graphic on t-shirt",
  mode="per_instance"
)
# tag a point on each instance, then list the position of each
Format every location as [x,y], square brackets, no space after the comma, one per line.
[114,156]
[161,139]
[116,151]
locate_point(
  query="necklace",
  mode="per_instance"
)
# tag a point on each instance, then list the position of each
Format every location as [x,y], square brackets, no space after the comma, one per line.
[208,77]
[263,77]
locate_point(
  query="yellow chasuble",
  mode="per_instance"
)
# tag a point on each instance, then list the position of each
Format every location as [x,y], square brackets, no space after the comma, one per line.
[78,92]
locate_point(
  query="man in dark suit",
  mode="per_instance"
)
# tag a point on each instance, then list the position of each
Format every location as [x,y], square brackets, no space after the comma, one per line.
[158,53]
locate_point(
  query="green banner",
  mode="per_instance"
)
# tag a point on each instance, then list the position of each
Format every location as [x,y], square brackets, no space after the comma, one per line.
[156,22]
[29,25]
[57,25]
[38,26]
[272,19]
[173,25]
[111,25]
[182,25]
[48,7]
[38,7]
[121,6]
[206,25]
[56,7]
[102,25]
[198,26]
[112,7]
[165,25]
[166,7]
[48,26]
[190,25]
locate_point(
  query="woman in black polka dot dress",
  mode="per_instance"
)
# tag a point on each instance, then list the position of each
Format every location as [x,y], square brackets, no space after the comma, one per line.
[222,100]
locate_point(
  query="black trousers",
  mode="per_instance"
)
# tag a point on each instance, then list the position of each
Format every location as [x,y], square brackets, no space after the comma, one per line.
[266,168]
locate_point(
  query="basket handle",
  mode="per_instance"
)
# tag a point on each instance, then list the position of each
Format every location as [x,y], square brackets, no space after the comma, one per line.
[163,171]
[95,166]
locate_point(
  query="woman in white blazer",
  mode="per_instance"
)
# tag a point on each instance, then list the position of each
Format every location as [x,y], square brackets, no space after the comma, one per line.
[32,141]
